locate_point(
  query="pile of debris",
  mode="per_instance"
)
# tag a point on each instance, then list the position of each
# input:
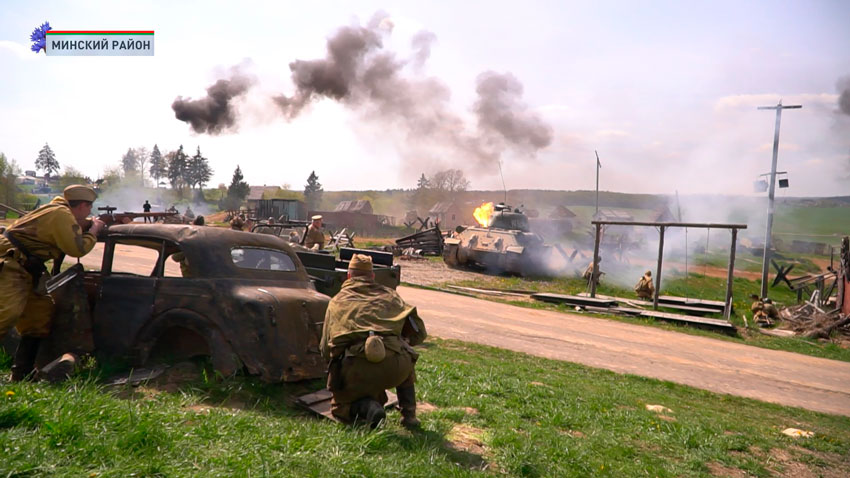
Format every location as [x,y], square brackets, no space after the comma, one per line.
[812,322]
[341,238]
[428,242]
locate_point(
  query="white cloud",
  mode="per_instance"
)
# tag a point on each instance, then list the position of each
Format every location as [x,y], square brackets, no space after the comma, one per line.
[22,52]
[770,99]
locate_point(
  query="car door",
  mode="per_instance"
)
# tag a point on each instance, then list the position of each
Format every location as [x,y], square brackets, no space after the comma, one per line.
[130,274]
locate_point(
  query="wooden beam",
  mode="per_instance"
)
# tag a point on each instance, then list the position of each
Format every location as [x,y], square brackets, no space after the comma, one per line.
[595,273]
[658,271]
[727,312]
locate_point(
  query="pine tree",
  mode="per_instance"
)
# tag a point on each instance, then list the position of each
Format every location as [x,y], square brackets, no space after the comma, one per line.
[423,183]
[177,167]
[47,161]
[313,192]
[236,192]
[129,162]
[199,171]
[158,167]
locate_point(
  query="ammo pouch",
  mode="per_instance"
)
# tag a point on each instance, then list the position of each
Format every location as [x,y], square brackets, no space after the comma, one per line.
[39,274]
[32,264]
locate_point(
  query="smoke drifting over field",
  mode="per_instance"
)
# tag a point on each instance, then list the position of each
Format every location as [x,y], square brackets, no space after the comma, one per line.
[391,94]
[214,113]
[844,95]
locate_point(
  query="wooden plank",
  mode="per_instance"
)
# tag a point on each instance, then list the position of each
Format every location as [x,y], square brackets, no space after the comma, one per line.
[489,291]
[708,304]
[573,299]
[778,332]
[319,402]
[689,319]
[691,309]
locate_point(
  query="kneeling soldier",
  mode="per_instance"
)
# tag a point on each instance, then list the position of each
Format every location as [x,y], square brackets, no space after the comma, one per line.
[368,336]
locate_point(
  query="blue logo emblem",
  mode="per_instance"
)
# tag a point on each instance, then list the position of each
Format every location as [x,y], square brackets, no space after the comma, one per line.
[39,37]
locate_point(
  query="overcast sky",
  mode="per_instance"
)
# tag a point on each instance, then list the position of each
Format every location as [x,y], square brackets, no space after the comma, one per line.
[665,91]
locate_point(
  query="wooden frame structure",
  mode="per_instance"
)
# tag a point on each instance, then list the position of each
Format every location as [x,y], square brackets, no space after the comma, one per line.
[662,226]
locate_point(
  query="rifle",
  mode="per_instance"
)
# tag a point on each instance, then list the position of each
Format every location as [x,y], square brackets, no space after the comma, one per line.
[111,217]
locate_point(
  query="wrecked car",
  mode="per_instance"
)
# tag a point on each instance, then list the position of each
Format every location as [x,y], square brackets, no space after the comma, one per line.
[328,272]
[178,291]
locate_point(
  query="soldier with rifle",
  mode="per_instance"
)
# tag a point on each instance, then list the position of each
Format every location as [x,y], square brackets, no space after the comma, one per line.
[52,231]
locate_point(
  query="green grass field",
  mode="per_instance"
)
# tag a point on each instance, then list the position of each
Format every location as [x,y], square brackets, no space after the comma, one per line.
[492,413]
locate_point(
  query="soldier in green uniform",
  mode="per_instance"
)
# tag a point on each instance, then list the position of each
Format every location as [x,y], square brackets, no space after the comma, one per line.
[315,238]
[589,272]
[49,232]
[644,288]
[764,312]
[368,336]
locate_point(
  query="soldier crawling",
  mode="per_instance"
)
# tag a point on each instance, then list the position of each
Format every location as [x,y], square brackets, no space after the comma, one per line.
[644,288]
[764,312]
[368,336]
[50,232]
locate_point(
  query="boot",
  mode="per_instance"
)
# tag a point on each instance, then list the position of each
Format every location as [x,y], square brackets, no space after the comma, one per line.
[407,403]
[369,410]
[25,358]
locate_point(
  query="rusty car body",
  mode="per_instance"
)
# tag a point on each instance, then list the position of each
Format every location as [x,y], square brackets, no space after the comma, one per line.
[243,299]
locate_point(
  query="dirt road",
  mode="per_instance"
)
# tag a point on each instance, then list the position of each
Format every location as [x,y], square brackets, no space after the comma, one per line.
[716,365]
[720,366]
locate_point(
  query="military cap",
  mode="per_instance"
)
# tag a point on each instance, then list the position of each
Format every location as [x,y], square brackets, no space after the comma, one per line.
[360,262]
[648,273]
[78,192]
[317,217]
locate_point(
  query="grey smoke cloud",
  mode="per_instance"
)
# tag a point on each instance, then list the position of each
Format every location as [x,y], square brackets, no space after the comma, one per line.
[392,95]
[358,72]
[421,44]
[500,109]
[844,95]
[214,113]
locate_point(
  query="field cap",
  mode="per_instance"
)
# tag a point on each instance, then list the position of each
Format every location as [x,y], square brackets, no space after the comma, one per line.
[78,192]
[317,217]
[648,273]
[360,262]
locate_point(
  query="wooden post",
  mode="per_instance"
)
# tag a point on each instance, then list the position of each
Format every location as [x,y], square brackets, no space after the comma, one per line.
[658,271]
[595,273]
[727,312]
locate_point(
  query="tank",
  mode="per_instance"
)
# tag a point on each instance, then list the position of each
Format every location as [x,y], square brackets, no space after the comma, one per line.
[501,243]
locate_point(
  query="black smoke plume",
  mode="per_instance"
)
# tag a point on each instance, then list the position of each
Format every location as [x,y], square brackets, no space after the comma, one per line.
[844,95]
[214,113]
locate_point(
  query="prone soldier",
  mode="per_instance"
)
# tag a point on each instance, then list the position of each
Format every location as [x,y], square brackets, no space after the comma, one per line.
[764,312]
[52,231]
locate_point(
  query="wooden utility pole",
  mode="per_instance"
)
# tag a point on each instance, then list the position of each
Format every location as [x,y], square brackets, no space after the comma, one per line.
[772,187]
[598,167]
